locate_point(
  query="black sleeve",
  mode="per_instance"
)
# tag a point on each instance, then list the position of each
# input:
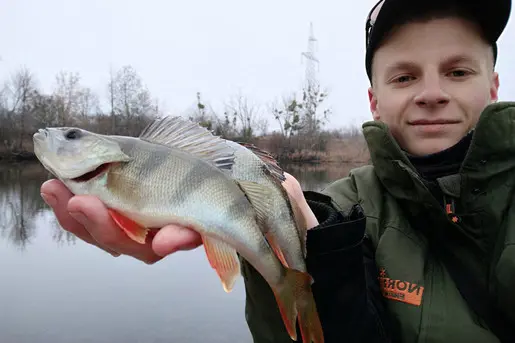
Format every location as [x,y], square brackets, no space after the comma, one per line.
[341,262]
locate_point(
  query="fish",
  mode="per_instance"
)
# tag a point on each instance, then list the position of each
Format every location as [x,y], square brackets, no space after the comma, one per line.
[281,222]
[178,172]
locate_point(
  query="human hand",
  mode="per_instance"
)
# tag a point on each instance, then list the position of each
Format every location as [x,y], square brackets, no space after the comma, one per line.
[87,218]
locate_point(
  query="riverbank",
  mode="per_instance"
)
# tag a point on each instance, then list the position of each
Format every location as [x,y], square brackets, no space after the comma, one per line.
[338,150]
[17,156]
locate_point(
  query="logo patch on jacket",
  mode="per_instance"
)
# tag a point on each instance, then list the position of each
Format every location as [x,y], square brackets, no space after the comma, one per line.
[399,290]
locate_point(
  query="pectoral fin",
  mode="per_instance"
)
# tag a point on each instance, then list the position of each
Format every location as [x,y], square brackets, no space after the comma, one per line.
[260,197]
[135,231]
[224,259]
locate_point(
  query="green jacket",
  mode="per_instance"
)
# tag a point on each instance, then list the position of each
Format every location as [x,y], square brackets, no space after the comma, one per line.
[422,302]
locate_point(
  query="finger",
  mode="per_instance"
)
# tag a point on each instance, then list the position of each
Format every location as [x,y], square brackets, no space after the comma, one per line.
[102,228]
[56,195]
[172,238]
[294,190]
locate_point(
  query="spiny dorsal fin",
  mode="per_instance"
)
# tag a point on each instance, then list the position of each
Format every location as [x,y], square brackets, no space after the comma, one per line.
[190,137]
[270,162]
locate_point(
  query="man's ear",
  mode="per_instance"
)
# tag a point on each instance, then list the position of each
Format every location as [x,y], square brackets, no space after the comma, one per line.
[494,87]
[373,104]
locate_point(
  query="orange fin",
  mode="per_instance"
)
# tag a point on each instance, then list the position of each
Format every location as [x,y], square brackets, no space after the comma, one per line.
[224,259]
[135,231]
[309,322]
[276,248]
[285,299]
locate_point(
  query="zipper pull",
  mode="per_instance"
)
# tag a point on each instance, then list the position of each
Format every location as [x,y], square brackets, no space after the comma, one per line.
[449,209]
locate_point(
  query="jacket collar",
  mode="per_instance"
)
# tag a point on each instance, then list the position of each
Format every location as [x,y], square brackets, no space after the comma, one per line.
[491,151]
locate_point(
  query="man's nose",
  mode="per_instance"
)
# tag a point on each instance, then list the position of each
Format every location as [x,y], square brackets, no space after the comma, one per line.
[432,94]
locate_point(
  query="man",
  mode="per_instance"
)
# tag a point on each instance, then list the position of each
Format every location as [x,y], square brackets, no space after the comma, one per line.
[392,245]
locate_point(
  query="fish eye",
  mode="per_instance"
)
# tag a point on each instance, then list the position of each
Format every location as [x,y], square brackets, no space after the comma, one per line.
[72,134]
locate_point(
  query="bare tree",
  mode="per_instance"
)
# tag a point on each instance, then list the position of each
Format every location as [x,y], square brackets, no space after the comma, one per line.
[287,113]
[87,103]
[313,116]
[131,102]
[203,114]
[66,94]
[16,97]
[45,110]
[245,114]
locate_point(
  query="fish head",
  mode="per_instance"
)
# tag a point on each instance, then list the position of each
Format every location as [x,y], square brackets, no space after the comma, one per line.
[72,153]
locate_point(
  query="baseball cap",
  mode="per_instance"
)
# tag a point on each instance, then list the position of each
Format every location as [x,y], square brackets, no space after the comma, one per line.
[491,15]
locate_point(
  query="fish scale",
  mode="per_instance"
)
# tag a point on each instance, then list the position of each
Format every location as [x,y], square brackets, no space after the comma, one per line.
[177,172]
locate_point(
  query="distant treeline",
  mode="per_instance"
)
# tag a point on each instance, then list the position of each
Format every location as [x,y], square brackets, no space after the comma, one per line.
[129,106]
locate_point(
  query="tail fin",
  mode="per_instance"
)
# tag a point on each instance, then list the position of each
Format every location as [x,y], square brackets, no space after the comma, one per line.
[298,285]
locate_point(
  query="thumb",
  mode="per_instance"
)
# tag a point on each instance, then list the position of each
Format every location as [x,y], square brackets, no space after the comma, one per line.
[296,196]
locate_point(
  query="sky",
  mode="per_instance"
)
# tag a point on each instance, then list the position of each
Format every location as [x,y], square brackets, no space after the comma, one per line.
[221,48]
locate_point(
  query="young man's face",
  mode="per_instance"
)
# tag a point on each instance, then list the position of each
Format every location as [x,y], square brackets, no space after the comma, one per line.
[431,81]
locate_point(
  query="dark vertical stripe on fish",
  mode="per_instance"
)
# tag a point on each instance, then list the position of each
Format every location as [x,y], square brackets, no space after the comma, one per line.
[152,161]
[239,207]
[192,182]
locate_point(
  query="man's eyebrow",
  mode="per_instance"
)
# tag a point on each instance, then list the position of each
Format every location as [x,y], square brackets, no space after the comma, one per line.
[456,59]
[409,65]
[400,65]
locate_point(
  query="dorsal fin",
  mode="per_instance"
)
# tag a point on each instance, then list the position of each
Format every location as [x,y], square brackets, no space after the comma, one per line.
[190,137]
[270,162]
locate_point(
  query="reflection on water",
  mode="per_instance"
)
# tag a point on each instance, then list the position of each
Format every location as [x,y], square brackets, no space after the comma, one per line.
[315,177]
[21,204]
[56,288]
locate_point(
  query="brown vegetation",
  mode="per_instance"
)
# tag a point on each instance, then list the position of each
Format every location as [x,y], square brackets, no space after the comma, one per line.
[302,138]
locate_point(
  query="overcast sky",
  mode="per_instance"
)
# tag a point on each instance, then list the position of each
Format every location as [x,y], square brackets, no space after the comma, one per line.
[220,48]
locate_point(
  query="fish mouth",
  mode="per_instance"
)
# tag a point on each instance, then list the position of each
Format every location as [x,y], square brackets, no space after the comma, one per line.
[101,169]
[41,132]
[39,137]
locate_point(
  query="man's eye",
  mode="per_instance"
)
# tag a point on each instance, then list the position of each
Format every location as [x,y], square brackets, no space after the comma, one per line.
[404,78]
[458,73]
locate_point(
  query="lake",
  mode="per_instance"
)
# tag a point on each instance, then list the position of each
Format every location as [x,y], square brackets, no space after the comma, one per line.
[55,288]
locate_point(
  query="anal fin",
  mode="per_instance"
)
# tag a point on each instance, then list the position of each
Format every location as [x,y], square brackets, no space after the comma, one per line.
[224,259]
[135,231]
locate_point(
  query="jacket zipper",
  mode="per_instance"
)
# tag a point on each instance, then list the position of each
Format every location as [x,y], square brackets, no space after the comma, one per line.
[450,209]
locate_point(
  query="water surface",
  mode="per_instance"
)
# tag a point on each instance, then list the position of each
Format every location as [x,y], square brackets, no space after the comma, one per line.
[55,288]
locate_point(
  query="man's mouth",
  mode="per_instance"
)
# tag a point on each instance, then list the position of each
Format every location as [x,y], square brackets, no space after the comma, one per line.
[433,122]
